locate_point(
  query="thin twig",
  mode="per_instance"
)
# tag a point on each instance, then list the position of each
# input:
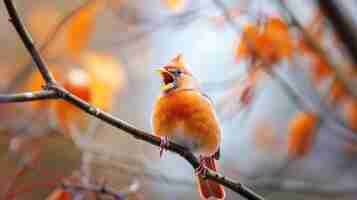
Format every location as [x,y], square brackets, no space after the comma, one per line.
[28,96]
[116,122]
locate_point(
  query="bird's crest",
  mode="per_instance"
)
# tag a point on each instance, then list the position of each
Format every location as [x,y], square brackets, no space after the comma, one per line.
[178,62]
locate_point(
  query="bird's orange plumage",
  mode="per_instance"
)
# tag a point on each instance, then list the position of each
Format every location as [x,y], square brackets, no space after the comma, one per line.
[185,116]
[190,114]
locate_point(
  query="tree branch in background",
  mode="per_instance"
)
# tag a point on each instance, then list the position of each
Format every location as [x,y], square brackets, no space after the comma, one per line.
[154,26]
[326,112]
[294,96]
[342,26]
[221,84]
[311,43]
[51,85]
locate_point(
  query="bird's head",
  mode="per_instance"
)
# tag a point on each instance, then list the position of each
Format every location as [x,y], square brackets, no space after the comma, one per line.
[176,75]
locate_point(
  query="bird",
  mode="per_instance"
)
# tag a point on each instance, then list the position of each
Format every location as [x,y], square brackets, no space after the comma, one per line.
[185,115]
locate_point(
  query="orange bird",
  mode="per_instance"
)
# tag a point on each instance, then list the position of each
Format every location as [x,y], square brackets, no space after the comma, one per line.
[184,115]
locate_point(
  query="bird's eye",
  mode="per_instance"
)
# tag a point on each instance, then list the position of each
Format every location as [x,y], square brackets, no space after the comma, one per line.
[176,72]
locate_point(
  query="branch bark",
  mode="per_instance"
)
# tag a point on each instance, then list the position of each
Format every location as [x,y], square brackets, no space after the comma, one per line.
[28,96]
[343,28]
[51,86]
[24,35]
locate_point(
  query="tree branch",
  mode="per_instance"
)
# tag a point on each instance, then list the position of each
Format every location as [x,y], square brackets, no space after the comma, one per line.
[116,122]
[23,33]
[154,140]
[28,96]
[343,28]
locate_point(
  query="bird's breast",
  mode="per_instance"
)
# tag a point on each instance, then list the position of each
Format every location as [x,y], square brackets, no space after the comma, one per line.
[188,119]
[183,137]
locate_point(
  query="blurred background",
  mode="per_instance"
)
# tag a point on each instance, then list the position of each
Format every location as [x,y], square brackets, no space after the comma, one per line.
[282,81]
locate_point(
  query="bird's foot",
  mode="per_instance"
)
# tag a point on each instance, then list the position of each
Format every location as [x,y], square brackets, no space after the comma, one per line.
[164,143]
[201,170]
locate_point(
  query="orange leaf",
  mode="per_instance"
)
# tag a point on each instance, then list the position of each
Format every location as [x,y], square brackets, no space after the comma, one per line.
[350,112]
[271,44]
[81,25]
[266,50]
[59,194]
[67,36]
[78,83]
[320,69]
[337,92]
[175,5]
[107,78]
[249,37]
[264,137]
[301,130]
[278,32]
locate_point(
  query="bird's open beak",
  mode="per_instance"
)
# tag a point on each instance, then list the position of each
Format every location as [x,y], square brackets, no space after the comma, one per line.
[168,78]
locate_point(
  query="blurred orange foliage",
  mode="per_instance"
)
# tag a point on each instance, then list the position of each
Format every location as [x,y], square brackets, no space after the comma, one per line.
[320,69]
[66,36]
[301,134]
[97,81]
[59,194]
[75,80]
[42,20]
[338,92]
[250,33]
[35,82]
[175,5]
[107,78]
[350,112]
[81,26]
[78,83]
[270,43]
[265,138]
